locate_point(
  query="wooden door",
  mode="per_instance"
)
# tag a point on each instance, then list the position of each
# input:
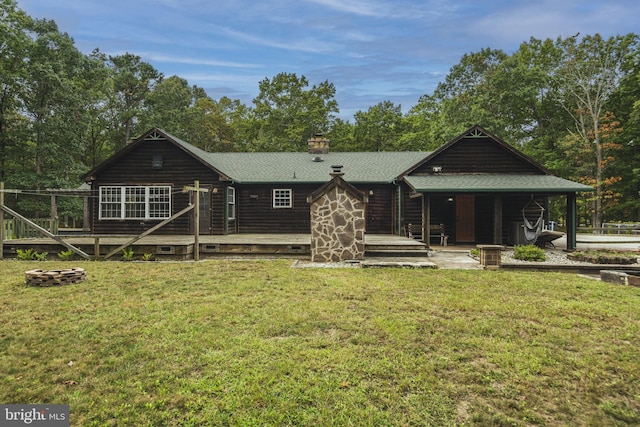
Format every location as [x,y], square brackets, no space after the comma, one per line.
[205,212]
[465,218]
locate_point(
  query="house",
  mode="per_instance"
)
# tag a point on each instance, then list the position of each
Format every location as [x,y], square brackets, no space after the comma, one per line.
[475,187]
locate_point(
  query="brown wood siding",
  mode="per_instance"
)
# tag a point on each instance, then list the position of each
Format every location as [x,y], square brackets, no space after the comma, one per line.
[411,209]
[178,170]
[256,214]
[379,208]
[477,155]
[484,219]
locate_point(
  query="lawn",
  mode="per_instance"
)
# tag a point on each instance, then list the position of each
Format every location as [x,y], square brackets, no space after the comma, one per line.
[260,343]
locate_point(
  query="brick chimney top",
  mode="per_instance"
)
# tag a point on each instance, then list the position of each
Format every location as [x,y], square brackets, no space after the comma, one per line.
[318,144]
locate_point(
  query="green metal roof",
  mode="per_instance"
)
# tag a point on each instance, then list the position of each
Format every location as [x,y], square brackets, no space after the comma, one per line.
[375,167]
[480,183]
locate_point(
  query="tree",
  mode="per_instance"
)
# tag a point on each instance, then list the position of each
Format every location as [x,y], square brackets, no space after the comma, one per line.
[131,82]
[626,103]
[465,98]
[379,128]
[286,114]
[14,45]
[208,127]
[587,77]
[169,104]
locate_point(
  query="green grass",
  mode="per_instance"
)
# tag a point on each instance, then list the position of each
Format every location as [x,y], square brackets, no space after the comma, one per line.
[259,343]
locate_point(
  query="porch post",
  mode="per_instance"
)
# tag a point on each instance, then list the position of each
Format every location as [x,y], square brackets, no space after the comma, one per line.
[497,220]
[571,221]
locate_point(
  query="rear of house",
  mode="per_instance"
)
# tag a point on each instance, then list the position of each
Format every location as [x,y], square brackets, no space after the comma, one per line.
[476,186]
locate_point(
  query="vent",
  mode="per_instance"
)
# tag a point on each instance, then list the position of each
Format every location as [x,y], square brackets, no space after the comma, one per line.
[317,159]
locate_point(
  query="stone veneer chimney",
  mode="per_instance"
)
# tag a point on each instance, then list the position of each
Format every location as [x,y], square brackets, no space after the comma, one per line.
[318,144]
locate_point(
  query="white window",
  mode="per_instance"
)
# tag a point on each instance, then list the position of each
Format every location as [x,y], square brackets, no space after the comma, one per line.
[135,202]
[282,198]
[231,200]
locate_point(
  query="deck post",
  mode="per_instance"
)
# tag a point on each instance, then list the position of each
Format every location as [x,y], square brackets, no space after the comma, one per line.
[196,217]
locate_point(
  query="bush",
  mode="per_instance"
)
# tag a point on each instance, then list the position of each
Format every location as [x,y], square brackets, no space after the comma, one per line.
[128,254]
[66,255]
[529,253]
[31,255]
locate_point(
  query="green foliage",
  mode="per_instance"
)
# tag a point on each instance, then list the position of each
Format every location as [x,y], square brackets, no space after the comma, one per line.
[66,255]
[128,254]
[287,112]
[63,112]
[379,128]
[31,255]
[148,257]
[529,253]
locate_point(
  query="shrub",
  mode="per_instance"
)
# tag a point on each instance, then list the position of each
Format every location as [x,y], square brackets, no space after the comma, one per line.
[31,255]
[66,255]
[128,254]
[529,253]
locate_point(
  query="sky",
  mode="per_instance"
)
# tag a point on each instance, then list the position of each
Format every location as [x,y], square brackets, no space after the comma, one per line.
[371,50]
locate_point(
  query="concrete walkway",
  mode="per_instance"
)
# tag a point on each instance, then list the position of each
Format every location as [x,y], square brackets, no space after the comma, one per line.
[455,260]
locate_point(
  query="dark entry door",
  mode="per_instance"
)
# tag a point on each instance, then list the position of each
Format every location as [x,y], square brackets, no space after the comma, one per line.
[204,212]
[465,218]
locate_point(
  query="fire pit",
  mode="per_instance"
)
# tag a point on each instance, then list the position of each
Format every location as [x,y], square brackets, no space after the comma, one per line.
[54,277]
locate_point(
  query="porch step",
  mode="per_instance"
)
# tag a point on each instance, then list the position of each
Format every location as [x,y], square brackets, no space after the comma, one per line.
[397,253]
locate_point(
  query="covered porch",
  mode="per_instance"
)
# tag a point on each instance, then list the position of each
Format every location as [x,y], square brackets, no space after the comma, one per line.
[488,209]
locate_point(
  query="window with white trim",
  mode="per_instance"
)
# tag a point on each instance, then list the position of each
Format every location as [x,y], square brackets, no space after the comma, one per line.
[282,198]
[135,202]
[231,201]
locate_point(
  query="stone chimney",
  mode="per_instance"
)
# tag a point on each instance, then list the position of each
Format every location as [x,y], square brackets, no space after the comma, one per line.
[318,144]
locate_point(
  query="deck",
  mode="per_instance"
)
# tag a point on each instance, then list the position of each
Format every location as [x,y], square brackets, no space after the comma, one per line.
[181,247]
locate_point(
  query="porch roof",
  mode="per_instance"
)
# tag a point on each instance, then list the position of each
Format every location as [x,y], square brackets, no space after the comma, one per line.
[486,183]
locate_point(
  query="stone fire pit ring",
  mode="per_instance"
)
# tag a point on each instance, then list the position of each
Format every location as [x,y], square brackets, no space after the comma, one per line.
[44,278]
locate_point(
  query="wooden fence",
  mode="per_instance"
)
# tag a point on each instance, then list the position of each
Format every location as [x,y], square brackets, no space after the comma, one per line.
[14,229]
[612,228]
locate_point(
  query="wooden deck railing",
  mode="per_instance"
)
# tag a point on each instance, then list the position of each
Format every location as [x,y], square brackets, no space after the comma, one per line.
[14,229]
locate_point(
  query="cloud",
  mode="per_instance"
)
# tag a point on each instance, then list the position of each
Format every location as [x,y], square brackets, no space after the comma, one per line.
[198,61]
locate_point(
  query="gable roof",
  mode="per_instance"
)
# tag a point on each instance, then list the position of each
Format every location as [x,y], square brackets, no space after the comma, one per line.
[287,167]
[476,132]
[337,181]
[151,135]
[358,167]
